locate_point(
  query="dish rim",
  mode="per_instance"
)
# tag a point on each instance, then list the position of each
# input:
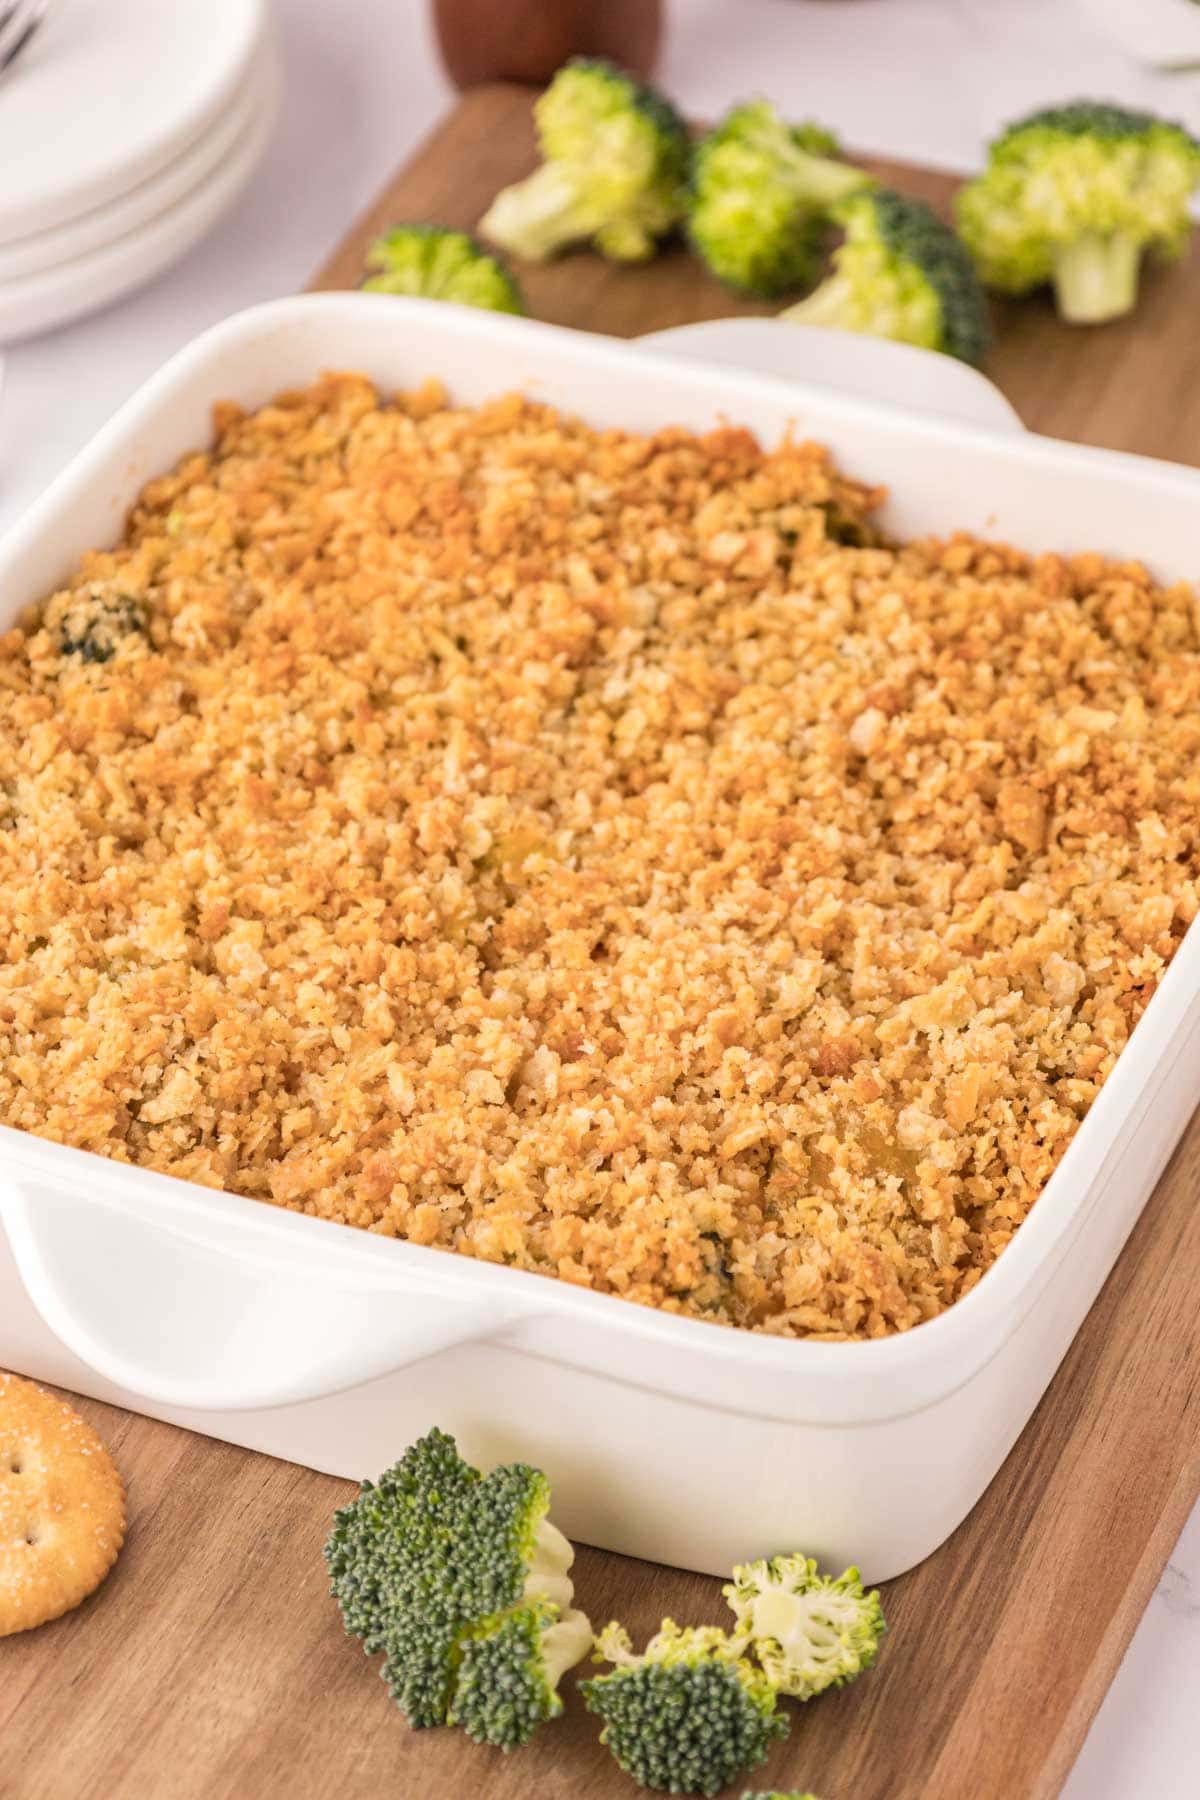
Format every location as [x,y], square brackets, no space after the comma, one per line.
[1013,1283]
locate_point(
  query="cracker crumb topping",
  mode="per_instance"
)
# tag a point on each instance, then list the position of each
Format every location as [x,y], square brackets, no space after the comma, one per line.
[596,853]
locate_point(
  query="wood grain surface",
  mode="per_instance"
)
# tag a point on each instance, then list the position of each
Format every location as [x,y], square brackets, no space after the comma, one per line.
[212,1665]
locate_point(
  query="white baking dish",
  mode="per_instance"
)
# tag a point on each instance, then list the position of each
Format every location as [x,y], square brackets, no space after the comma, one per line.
[664,1437]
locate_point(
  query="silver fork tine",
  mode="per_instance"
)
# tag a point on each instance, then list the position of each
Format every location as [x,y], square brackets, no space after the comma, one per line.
[18,22]
[26,16]
[12,26]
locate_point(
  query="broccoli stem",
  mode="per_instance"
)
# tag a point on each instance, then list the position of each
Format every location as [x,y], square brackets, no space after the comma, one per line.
[1096,278]
[835,304]
[541,214]
[823,181]
[552,1556]
[564,1644]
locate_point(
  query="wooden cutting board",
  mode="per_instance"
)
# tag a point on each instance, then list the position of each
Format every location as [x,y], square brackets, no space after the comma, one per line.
[212,1665]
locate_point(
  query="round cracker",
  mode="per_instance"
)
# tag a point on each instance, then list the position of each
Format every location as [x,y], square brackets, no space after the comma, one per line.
[62,1507]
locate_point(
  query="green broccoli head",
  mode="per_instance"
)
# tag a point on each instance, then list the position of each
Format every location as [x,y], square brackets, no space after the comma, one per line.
[436,263]
[900,273]
[688,1714]
[761,194]
[1073,197]
[449,1572]
[809,1631]
[507,1682]
[614,169]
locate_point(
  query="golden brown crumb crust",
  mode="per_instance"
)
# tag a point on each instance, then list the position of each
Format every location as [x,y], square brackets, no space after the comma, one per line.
[589,852]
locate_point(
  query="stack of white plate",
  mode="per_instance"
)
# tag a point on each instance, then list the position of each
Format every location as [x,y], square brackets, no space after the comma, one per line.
[127,129]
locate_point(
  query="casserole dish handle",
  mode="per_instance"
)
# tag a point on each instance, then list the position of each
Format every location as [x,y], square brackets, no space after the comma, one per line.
[871,368]
[198,1326]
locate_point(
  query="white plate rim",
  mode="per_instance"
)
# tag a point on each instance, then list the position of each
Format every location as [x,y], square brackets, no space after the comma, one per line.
[39,303]
[92,189]
[43,251]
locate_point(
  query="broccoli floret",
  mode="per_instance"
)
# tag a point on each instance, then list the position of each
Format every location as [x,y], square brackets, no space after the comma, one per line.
[761,194]
[508,1679]
[460,1579]
[614,169]
[900,273]
[1073,196]
[809,1631]
[688,1714]
[436,263]
[777,1794]
[93,625]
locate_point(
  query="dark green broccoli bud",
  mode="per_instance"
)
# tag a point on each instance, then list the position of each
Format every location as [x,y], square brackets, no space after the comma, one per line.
[92,626]
[809,1631]
[688,1714]
[1073,197]
[900,273]
[429,1564]
[761,196]
[436,263]
[614,169]
[508,1679]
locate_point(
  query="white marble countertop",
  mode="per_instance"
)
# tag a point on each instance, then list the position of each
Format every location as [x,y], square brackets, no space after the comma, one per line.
[928,79]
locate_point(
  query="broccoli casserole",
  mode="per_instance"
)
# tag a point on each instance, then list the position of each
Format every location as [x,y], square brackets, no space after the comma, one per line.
[596,853]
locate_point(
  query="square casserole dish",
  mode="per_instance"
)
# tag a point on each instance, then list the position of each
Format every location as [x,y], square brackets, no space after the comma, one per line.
[664,1437]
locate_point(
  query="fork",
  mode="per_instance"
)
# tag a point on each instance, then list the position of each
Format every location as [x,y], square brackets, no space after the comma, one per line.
[19,20]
